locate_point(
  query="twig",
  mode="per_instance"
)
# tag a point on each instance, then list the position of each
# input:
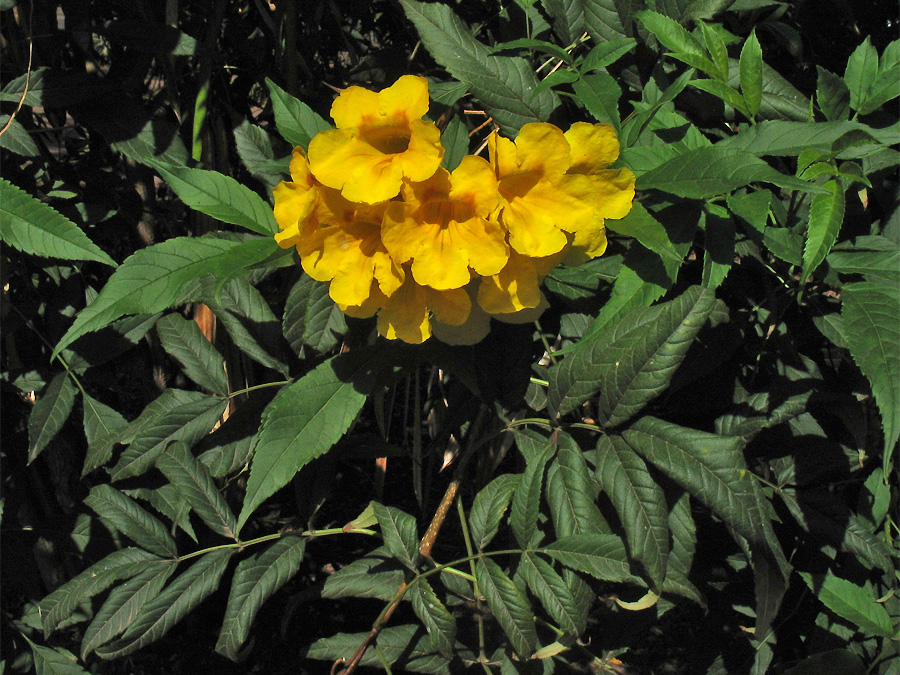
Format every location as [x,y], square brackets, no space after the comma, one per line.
[27,77]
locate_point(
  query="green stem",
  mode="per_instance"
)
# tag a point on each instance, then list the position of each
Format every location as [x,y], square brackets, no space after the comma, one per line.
[270,537]
[259,386]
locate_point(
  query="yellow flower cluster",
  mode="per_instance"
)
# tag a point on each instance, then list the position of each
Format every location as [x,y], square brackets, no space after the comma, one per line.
[372,212]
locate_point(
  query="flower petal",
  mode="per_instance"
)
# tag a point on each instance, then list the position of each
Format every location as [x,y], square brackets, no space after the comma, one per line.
[614,192]
[593,146]
[406,98]
[472,331]
[527,315]
[473,181]
[450,307]
[542,148]
[424,153]
[341,160]
[405,314]
[532,220]
[353,107]
[295,204]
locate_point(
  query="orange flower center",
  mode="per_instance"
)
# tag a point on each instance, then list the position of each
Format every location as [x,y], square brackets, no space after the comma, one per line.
[390,140]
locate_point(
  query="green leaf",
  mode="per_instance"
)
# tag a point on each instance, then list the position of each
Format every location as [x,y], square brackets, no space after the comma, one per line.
[885,88]
[718,256]
[717,49]
[850,602]
[17,139]
[488,508]
[670,33]
[784,139]
[538,45]
[439,623]
[218,196]
[606,19]
[304,421]
[160,614]
[826,215]
[507,86]
[568,18]
[398,529]
[170,503]
[455,139]
[34,227]
[376,575]
[50,413]
[607,53]
[725,92]
[311,319]
[553,592]
[640,224]
[878,258]
[296,122]
[710,467]
[826,517]
[871,312]
[711,171]
[602,556]
[634,362]
[189,423]
[249,321]
[600,95]
[102,426]
[638,500]
[121,564]
[751,73]
[509,606]
[527,498]
[54,660]
[681,556]
[255,580]
[402,647]
[254,147]
[201,362]
[862,69]
[124,605]
[832,95]
[640,282]
[151,280]
[572,493]
[124,514]
[193,481]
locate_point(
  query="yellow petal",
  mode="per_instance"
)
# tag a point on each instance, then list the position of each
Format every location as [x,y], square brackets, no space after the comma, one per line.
[353,106]
[594,147]
[300,168]
[341,160]
[483,243]
[406,98]
[405,315]
[502,152]
[542,148]
[513,289]
[352,284]
[532,221]
[473,181]
[527,315]
[424,153]
[450,307]
[295,204]
[614,192]
[589,241]
[367,309]
[472,331]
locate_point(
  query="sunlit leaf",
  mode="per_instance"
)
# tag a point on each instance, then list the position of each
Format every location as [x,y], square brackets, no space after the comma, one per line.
[399,532]
[601,555]
[296,122]
[37,228]
[431,611]
[507,86]
[826,215]
[304,421]
[851,602]
[871,312]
